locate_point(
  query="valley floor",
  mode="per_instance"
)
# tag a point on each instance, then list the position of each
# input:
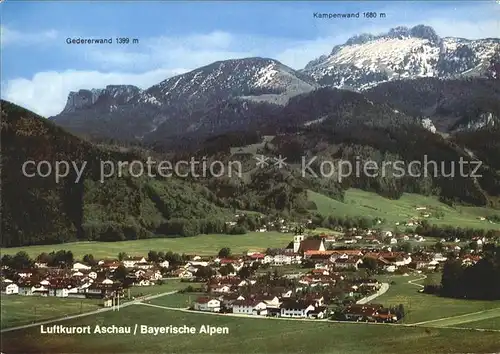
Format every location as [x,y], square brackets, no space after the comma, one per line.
[210,245]
[445,325]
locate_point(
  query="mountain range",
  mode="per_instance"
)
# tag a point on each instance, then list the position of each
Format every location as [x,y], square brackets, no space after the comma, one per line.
[240,93]
[392,97]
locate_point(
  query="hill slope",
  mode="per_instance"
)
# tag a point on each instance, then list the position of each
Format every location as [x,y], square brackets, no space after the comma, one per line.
[177,105]
[39,210]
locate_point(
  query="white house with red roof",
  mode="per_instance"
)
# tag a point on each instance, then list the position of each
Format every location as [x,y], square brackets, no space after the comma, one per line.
[207,304]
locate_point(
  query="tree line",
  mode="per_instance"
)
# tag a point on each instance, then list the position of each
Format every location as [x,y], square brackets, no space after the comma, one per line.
[451,232]
[479,281]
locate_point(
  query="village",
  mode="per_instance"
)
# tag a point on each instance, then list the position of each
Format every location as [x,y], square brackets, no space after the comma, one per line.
[316,276]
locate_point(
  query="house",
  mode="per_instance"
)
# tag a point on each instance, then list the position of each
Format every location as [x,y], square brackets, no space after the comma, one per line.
[271,302]
[153,275]
[318,255]
[315,299]
[40,290]
[9,288]
[111,265]
[348,263]
[130,262]
[144,265]
[227,301]
[80,266]
[295,308]
[246,282]
[139,273]
[320,271]
[25,273]
[25,288]
[390,268]
[361,312]
[318,312]
[368,313]
[419,262]
[164,264]
[344,254]
[257,257]
[207,304]
[103,290]
[58,290]
[282,259]
[439,257]
[268,259]
[222,289]
[250,307]
[144,282]
[182,273]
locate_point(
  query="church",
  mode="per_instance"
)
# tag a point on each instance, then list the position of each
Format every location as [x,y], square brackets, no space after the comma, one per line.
[301,245]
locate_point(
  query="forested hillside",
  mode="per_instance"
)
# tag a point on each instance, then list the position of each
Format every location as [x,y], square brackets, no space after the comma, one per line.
[38,210]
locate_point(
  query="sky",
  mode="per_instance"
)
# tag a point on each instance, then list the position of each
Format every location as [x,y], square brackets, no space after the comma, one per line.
[39,68]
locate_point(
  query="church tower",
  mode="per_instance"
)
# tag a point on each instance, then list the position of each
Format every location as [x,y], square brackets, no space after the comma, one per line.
[297,239]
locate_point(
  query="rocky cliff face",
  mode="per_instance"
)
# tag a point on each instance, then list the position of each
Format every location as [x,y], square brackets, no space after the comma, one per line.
[104,99]
[200,100]
[81,99]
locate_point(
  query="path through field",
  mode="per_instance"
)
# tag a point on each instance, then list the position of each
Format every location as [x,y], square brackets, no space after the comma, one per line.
[418,279]
[461,319]
[457,320]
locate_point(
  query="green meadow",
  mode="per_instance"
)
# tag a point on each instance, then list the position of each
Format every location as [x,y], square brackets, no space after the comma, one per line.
[371,205]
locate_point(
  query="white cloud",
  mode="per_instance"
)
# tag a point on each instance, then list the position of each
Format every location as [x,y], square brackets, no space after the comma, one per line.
[46,92]
[186,51]
[13,37]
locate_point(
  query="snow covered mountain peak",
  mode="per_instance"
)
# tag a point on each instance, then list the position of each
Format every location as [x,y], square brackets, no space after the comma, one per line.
[400,32]
[247,77]
[367,60]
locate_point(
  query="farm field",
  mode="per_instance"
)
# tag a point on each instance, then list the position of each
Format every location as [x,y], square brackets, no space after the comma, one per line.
[468,319]
[248,336]
[176,300]
[19,310]
[199,245]
[368,204]
[425,307]
[169,285]
[491,323]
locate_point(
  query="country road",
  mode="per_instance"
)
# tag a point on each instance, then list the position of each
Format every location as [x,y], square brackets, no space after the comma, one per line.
[383,289]
[419,285]
[95,312]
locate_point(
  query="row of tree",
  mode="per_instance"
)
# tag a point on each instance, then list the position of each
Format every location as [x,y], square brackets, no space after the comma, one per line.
[334,222]
[22,260]
[451,232]
[479,281]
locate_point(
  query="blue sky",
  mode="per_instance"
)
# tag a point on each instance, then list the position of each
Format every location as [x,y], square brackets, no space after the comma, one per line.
[39,68]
